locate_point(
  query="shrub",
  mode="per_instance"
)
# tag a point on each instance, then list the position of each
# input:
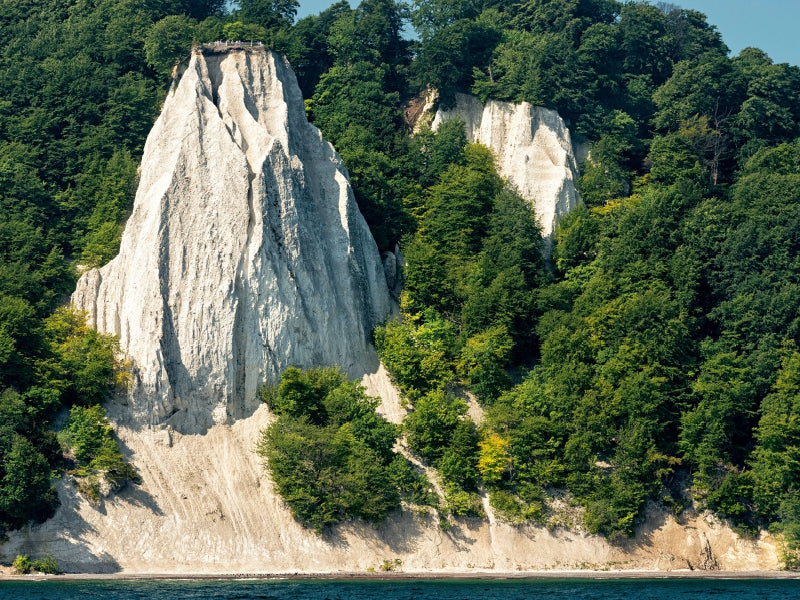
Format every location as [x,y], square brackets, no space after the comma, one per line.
[88,434]
[329,453]
[515,509]
[483,362]
[414,487]
[459,460]
[494,460]
[417,355]
[731,498]
[461,503]
[789,526]
[431,425]
[22,564]
[46,565]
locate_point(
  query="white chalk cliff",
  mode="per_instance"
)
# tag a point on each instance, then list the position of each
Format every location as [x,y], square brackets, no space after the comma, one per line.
[533,150]
[245,252]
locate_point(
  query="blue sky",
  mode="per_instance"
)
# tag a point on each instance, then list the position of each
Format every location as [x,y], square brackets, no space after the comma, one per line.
[772,25]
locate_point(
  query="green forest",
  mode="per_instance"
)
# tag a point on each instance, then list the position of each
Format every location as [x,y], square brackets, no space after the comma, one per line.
[654,358]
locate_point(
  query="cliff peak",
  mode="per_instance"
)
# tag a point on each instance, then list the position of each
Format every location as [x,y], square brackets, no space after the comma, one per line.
[245,252]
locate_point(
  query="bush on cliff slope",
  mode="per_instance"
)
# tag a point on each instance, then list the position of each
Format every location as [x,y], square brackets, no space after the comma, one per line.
[89,438]
[330,454]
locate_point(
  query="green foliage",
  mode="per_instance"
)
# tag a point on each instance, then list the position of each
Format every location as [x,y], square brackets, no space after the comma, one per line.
[494,459]
[702,86]
[769,113]
[80,99]
[461,503]
[458,206]
[88,436]
[483,361]
[367,145]
[326,475]
[428,282]
[542,69]
[169,41]
[269,14]
[46,565]
[731,496]
[720,423]
[448,58]
[663,339]
[458,463]
[776,458]
[311,55]
[576,237]
[87,433]
[244,31]
[472,265]
[22,564]
[431,153]
[430,426]
[513,509]
[613,508]
[605,177]
[108,186]
[81,362]
[414,488]
[330,455]
[418,356]
[302,393]
[25,491]
[501,284]
[366,79]
[692,152]
[789,526]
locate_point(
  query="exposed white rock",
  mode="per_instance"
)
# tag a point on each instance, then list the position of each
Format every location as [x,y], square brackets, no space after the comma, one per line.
[245,252]
[533,149]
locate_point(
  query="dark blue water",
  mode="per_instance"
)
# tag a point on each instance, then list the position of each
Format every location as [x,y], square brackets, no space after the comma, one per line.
[550,589]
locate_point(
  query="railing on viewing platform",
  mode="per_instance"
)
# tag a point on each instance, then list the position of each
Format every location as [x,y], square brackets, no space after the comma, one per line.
[225,45]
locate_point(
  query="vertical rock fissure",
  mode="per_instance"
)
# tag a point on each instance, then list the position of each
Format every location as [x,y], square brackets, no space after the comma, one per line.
[168,341]
[240,321]
[214,78]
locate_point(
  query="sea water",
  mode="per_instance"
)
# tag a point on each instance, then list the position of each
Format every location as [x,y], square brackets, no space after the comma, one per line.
[405,589]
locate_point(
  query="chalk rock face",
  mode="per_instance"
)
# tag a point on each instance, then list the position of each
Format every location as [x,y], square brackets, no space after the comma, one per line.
[533,149]
[245,252]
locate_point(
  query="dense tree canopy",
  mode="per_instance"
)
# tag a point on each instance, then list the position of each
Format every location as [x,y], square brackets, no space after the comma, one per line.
[329,454]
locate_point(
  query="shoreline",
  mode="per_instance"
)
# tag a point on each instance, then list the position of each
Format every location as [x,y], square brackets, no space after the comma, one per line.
[411,575]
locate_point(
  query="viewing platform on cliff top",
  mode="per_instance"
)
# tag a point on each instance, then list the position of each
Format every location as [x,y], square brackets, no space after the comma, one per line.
[227,46]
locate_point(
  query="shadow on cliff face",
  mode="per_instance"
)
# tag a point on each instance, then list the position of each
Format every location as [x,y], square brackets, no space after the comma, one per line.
[133,493]
[462,535]
[66,537]
[401,532]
